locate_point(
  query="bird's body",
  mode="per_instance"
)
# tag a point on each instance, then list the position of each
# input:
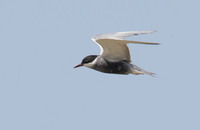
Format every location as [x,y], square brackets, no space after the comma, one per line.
[114,57]
[111,66]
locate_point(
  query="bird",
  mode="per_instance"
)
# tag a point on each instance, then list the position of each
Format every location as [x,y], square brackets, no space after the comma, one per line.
[114,57]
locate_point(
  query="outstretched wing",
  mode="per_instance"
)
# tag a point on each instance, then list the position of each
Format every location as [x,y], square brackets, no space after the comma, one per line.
[114,47]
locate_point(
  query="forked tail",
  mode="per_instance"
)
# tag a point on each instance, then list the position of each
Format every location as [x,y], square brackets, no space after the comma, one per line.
[137,70]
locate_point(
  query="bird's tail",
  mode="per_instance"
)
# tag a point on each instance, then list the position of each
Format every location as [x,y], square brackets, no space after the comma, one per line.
[137,70]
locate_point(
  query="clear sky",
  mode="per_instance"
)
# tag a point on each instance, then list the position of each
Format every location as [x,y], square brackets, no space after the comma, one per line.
[42,40]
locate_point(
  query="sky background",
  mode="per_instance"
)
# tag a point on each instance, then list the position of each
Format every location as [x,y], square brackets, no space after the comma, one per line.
[42,40]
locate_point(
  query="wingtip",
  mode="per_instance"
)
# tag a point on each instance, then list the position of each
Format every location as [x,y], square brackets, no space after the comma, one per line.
[145,32]
[157,43]
[152,31]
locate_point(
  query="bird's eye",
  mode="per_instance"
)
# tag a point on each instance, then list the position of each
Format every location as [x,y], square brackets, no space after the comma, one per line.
[85,61]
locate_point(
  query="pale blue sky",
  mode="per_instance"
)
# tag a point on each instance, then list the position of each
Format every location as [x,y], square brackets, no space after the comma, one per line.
[41,41]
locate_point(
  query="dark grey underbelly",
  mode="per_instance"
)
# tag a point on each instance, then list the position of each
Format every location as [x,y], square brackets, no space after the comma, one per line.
[115,67]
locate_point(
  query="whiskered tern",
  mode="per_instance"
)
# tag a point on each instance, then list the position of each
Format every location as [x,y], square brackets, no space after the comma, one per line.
[115,56]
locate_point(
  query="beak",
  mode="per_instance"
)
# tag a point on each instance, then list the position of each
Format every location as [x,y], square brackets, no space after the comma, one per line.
[79,65]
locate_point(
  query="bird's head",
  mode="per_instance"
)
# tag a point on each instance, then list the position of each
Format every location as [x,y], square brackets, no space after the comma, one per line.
[87,61]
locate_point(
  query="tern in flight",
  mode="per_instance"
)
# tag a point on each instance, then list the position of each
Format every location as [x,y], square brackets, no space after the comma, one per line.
[114,56]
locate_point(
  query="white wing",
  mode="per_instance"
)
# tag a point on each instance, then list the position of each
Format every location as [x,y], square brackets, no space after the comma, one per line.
[114,47]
